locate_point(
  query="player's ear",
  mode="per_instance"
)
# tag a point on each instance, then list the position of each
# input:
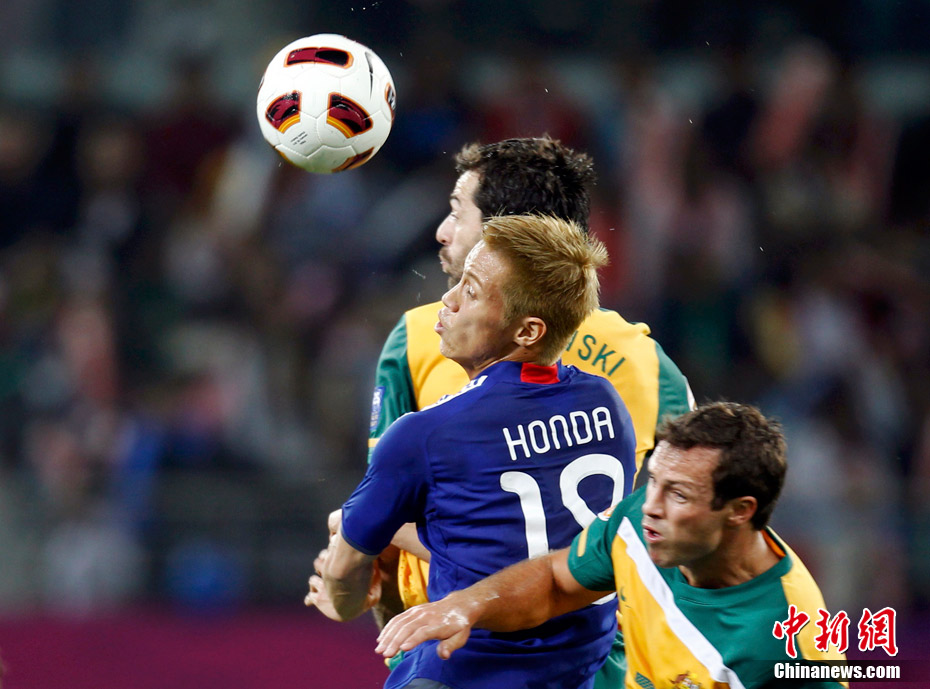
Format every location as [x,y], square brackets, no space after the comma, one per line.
[530,332]
[741,510]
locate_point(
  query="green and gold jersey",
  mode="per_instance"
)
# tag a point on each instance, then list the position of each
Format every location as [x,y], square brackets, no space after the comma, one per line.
[412,374]
[681,636]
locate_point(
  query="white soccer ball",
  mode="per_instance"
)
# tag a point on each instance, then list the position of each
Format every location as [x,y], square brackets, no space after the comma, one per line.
[326,103]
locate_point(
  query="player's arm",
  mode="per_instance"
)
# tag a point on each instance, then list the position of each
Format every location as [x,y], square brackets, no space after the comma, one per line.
[521,596]
[407,539]
[390,494]
[394,396]
[347,582]
[388,602]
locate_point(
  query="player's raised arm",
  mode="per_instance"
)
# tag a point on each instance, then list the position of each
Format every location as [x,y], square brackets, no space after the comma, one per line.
[521,596]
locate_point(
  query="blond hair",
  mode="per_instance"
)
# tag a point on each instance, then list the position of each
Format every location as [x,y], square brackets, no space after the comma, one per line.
[553,274]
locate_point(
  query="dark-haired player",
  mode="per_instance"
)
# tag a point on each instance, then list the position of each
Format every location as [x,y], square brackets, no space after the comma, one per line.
[517,176]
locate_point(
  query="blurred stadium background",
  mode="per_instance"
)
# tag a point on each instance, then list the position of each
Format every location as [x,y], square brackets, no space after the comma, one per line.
[188,327]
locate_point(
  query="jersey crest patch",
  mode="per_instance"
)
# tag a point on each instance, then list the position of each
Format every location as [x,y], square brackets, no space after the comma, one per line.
[684,681]
[376,400]
[470,385]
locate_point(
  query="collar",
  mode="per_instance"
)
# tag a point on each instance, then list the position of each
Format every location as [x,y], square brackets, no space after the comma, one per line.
[518,372]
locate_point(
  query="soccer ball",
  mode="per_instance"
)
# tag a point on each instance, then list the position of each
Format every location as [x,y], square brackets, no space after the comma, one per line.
[326,103]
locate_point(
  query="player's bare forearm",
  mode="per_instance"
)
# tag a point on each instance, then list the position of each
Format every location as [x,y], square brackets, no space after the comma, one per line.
[349,596]
[521,596]
[389,603]
[351,579]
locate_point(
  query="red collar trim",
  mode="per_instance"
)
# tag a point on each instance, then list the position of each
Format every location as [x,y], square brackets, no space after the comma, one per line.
[541,375]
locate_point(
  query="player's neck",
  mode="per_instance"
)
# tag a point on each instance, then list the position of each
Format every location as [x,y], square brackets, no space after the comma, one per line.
[519,354]
[741,558]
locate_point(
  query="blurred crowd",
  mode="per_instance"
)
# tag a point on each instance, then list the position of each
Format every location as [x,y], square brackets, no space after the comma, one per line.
[189,327]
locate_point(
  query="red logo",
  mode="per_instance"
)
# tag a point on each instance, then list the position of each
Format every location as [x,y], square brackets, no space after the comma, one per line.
[284,111]
[790,628]
[833,631]
[347,116]
[877,631]
[319,56]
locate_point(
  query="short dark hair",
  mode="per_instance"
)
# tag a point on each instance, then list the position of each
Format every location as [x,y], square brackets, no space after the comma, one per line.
[752,452]
[530,176]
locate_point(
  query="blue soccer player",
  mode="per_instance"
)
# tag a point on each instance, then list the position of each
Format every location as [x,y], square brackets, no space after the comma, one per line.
[512,466]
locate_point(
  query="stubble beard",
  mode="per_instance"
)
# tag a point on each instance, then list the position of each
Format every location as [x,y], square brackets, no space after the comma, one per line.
[453,271]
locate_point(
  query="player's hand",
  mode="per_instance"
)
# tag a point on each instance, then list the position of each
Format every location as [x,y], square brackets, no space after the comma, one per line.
[319,564]
[318,596]
[334,521]
[443,620]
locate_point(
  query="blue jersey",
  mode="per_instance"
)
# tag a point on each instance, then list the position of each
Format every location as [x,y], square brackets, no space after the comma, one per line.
[512,466]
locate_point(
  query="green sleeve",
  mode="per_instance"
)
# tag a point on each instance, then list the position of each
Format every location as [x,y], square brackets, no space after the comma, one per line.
[675,397]
[393,395]
[590,560]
